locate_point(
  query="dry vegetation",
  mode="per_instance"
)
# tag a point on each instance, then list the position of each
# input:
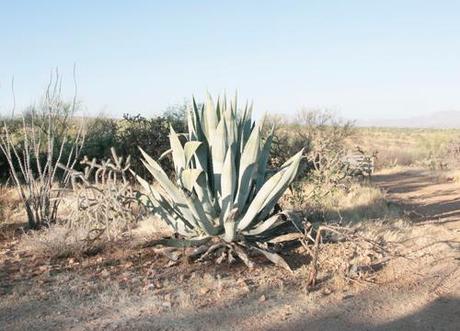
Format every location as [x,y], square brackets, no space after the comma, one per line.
[408,147]
[95,267]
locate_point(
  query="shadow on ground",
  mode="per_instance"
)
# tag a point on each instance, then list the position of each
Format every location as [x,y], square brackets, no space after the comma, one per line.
[418,192]
[250,313]
[442,314]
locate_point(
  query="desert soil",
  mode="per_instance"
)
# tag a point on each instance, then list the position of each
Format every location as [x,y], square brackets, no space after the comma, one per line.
[414,287]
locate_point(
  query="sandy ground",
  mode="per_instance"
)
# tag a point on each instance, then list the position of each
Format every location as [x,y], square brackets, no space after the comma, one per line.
[418,287]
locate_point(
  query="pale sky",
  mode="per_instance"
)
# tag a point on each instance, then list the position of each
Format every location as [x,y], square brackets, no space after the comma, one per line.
[364,59]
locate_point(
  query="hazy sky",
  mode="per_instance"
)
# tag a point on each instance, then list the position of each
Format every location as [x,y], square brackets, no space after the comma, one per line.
[365,59]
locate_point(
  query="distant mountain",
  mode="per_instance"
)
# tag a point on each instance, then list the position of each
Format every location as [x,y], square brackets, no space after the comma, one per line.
[439,120]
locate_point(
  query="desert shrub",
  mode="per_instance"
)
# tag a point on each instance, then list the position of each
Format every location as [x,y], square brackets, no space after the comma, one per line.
[101,135]
[322,136]
[407,147]
[149,134]
[358,202]
[222,200]
[60,241]
[177,116]
[326,134]
[8,202]
[131,132]
[101,208]
[15,126]
[35,153]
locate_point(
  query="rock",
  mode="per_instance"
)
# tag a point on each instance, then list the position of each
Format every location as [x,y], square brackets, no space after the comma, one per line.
[128,265]
[327,291]
[105,273]
[166,304]
[262,299]
[43,268]
[148,287]
[203,290]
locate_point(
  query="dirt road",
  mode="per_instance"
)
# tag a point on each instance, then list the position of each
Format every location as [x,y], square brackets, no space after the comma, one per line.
[419,290]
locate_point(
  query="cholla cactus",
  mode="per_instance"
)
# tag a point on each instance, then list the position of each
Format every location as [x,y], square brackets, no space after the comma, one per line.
[223,200]
[105,198]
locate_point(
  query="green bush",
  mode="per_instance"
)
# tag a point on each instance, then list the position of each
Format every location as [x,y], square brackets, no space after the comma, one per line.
[149,134]
[131,132]
[101,135]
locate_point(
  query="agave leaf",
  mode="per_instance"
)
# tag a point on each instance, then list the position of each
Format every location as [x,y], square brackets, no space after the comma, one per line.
[243,256]
[248,168]
[154,168]
[175,223]
[230,225]
[219,109]
[166,211]
[175,195]
[228,183]
[164,154]
[205,197]
[273,221]
[189,178]
[190,148]
[232,128]
[177,151]
[289,176]
[197,128]
[211,119]
[191,124]
[200,156]
[204,182]
[218,149]
[180,243]
[287,237]
[263,160]
[191,209]
[202,219]
[246,127]
[270,192]
[288,226]
[275,258]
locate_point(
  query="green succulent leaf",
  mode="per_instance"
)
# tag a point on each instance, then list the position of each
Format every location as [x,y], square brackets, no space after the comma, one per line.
[270,192]
[248,167]
[190,149]
[275,258]
[189,178]
[178,153]
[228,183]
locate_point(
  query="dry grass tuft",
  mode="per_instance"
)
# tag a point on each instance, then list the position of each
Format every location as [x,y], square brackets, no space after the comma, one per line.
[405,147]
[12,215]
[356,203]
[60,241]
[449,176]
[150,227]
[9,203]
[360,202]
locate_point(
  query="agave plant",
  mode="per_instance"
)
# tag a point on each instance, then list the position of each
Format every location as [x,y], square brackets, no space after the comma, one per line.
[223,201]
